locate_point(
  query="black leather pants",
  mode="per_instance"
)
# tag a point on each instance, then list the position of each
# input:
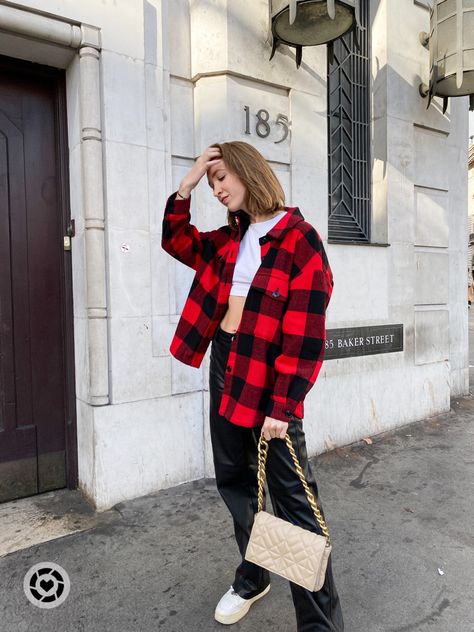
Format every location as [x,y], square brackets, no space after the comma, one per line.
[235,462]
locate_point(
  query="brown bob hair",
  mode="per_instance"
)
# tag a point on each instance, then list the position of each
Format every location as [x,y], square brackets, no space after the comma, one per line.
[264,192]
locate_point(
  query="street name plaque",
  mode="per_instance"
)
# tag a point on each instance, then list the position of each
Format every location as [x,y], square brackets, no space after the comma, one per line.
[360,341]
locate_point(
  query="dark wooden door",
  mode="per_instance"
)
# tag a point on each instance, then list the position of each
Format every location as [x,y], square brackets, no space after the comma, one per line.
[34,371]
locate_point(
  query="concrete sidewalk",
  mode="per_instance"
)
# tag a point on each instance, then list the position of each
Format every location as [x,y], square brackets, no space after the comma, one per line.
[398,510]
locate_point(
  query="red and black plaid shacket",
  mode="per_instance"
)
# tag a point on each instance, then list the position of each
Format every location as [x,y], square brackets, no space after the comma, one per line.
[278,350]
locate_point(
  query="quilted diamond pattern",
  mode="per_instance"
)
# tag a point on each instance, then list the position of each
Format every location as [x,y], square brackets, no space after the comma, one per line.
[297,554]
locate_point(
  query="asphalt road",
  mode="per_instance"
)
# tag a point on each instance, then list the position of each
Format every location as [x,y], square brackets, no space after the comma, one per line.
[471,348]
[400,513]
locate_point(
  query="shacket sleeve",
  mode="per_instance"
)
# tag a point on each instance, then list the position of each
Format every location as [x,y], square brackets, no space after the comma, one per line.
[181,239]
[303,328]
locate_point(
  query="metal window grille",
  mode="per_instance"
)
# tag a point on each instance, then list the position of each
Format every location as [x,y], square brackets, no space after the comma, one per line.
[349,135]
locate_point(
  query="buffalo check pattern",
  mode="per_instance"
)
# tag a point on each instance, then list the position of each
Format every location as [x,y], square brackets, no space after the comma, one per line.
[278,349]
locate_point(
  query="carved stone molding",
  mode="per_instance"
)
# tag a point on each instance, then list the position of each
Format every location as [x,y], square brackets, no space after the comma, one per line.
[94,223]
[28,23]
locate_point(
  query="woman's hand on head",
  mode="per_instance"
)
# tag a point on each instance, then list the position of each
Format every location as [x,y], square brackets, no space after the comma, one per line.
[274,428]
[209,156]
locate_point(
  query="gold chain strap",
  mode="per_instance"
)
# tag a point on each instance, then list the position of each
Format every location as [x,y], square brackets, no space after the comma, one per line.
[262,459]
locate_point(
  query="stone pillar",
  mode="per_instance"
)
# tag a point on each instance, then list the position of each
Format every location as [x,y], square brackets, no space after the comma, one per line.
[94,222]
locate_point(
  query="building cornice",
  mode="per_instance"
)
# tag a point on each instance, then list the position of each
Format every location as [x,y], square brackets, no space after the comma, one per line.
[33,25]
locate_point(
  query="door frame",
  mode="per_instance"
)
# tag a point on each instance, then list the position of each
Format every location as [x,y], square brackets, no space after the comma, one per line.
[28,69]
[61,42]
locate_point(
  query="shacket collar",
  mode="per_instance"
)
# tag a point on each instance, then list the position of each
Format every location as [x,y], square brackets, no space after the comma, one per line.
[293,216]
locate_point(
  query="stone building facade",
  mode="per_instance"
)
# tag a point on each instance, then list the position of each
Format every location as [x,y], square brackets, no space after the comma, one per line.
[470,210]
[149,84]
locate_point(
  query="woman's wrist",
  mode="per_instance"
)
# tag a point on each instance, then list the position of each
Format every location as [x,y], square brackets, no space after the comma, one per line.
[183,192]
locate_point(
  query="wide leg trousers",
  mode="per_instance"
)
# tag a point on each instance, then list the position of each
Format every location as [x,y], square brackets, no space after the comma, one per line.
[235,462]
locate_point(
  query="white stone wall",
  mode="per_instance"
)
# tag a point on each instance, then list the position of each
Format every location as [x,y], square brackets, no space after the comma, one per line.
[175,77]
[470,207]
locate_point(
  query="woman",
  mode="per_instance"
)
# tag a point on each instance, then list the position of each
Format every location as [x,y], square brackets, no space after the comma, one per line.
[260,293]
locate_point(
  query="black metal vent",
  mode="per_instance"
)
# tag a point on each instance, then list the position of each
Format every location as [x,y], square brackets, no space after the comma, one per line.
[349,135]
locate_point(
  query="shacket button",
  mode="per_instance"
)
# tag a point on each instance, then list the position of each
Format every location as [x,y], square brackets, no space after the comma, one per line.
[229,368]
[276,294]
[288,413]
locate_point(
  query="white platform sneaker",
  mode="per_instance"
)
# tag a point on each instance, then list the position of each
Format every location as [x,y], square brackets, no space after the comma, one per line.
[232,607]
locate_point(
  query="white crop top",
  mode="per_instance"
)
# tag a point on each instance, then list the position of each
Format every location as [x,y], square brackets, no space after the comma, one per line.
[249,256]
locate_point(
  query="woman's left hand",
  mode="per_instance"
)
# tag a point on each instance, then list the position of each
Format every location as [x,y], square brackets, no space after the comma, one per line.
[274,428]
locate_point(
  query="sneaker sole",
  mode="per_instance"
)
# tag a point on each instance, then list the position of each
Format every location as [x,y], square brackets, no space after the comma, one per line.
[228,619]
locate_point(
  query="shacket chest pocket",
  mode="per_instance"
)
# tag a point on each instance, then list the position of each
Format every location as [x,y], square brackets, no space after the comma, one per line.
[276,286]
[272,296]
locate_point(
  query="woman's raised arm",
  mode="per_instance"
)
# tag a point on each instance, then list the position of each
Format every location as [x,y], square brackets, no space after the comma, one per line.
[179,238]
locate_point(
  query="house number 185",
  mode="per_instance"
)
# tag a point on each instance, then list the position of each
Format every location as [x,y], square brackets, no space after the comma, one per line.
[262,126]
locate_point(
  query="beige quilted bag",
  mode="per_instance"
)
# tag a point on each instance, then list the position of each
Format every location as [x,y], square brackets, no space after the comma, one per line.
[281,547]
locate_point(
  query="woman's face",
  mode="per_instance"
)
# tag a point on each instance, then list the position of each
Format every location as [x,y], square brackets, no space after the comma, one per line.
[227,187]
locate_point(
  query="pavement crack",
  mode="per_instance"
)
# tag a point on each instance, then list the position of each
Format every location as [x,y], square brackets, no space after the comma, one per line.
[357,482]
[431,618]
